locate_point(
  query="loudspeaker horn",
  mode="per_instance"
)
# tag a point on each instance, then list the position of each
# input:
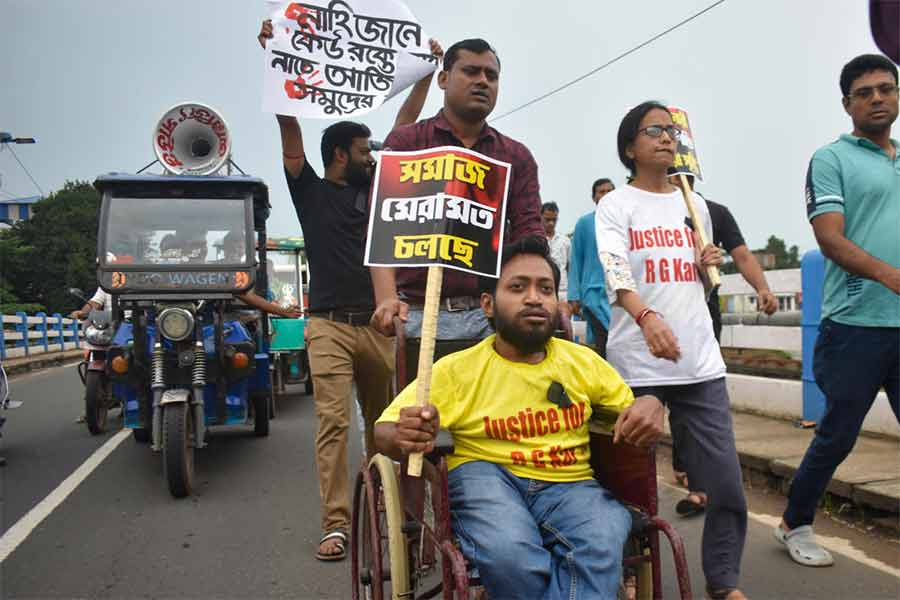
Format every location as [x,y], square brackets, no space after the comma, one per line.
[192,139]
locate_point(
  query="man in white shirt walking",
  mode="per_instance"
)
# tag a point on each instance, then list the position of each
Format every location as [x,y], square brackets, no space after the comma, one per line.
[560,251]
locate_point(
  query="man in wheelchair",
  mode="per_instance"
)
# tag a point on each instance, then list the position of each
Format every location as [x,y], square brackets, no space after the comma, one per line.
[525,507]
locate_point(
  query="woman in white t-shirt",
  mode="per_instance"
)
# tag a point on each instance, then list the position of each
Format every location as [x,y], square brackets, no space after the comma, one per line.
[661,336]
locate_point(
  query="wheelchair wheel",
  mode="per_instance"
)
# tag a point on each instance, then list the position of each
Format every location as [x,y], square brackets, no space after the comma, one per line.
[380,561]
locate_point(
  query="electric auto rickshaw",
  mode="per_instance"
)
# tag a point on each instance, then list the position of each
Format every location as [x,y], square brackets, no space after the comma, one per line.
[288,285]
[177,253]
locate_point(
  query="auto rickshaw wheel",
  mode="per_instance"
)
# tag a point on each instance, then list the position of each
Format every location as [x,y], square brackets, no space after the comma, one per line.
[382,558]
[261,408]
[178,448]
[141,435]
[96,401]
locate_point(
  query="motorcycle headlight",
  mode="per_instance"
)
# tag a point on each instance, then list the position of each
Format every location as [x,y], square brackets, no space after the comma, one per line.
[97,336]
[176,323]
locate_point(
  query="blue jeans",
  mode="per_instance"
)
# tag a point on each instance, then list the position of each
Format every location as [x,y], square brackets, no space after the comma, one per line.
[456,325]
[533,539]
[851,363]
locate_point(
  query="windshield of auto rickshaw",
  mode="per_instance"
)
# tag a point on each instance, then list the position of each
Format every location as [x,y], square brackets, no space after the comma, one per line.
[182,231]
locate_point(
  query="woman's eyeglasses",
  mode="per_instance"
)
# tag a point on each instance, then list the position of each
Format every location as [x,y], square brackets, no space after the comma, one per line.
[656,131]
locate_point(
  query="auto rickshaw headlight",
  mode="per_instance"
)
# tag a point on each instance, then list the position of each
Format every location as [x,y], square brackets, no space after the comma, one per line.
[240,360]
[120,365]
[176,323]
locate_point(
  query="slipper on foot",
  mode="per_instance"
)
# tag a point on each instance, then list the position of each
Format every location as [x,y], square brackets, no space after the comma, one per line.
[688,506]
[341,545]
[802,546]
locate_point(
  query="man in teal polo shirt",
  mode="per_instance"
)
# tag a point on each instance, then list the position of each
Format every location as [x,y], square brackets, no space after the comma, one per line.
[853,203]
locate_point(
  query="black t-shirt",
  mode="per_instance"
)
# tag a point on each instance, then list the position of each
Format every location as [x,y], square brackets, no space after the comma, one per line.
[726,232]
[334,219]
[727,235]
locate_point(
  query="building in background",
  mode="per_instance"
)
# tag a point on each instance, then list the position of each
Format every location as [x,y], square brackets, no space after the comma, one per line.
[766,259]
[736,295]
[16,209]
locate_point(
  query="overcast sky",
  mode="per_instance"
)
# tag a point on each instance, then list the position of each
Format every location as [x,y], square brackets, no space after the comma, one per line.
[759,78]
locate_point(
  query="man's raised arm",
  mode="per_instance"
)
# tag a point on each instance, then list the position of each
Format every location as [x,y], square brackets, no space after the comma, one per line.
[412,106]
[292,152]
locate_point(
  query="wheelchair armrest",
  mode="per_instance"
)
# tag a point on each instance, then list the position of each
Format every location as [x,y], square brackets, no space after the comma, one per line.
[640,520]
[443,445]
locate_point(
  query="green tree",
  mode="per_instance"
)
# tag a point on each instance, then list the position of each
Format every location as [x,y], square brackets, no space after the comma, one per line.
[41,258]
[12,259]
[784,258]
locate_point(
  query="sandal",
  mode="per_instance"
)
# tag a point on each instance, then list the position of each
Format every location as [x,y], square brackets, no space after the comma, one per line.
[681,478]
[341,545]
[692,504]
[725,594]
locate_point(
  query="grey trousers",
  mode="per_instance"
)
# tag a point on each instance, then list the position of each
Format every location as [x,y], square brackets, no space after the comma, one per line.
[700,414]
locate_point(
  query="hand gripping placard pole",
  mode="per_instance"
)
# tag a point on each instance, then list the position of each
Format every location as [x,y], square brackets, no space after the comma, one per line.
[712,271]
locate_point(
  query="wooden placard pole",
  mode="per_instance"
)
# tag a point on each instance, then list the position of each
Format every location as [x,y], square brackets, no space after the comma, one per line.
[712,271]
[426,352]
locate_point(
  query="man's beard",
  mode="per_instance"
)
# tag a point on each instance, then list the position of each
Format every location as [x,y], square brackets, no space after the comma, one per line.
[358,175]
[526,340]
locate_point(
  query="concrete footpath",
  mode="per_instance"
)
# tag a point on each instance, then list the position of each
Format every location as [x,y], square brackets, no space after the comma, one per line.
[865,487]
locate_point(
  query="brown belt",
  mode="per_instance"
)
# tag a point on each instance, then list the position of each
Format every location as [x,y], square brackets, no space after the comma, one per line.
[355,318]
[451,304]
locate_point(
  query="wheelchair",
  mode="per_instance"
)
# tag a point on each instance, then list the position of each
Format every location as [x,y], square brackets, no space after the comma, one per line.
[402,544]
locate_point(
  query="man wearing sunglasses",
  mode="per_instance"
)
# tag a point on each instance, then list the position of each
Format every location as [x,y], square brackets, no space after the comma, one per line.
[853,203]
[525,507]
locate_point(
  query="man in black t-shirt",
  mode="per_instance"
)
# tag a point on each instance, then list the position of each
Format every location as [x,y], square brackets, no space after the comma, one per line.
[726,235]
[343,348]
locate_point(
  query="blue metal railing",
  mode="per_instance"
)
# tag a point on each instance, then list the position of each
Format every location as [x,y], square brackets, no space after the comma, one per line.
[27,335]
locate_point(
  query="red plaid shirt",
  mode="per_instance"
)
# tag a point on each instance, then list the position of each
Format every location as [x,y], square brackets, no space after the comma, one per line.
[523,205]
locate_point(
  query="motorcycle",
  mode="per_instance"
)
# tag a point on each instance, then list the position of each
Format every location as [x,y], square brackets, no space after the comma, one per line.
[92,370]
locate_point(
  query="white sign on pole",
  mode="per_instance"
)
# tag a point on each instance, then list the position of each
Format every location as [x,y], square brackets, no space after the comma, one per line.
[340,58]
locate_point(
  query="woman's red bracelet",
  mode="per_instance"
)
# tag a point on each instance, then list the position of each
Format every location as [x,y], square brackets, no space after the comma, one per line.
[643,314]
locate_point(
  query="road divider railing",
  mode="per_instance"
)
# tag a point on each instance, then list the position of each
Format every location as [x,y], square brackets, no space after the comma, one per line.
[29,335]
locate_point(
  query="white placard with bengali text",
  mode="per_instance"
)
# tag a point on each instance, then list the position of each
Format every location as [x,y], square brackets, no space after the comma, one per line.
[341,58]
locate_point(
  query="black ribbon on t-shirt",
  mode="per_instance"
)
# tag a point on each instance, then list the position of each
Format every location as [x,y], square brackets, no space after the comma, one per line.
[557,395]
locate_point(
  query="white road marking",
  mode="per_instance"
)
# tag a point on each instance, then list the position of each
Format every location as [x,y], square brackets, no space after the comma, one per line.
[834,544]
[19,532]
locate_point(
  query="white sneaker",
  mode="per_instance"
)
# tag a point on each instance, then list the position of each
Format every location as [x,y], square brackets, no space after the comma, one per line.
[802,546]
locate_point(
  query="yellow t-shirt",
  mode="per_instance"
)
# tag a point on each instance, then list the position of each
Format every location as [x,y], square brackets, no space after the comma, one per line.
[498,411]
